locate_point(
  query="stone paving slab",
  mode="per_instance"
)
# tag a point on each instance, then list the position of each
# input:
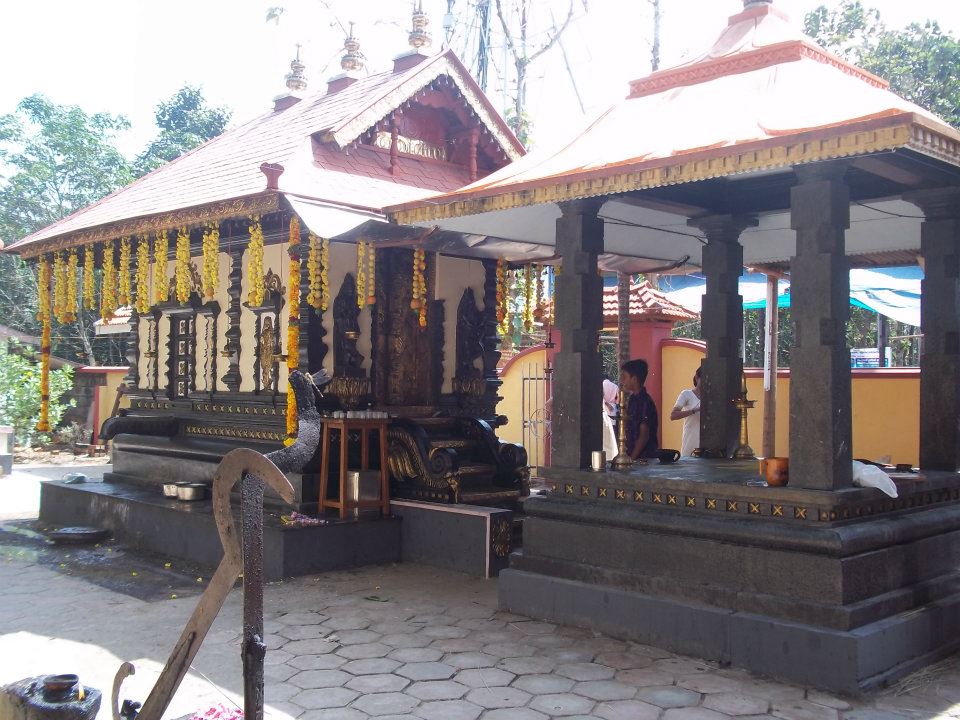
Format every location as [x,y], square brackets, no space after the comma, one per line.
[395,642]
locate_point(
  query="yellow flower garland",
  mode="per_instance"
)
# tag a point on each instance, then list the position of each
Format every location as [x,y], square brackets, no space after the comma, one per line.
[123,277]
[503,309]
[108,283]
[324,274]
[361,274]
[160,249]
[59,287]
[419,283]
[43,314]
[316,272]
[70,308]
[255,263]
[89,301]
[143,275]
[293,330]
[538,294]
[211,260]
[181,267]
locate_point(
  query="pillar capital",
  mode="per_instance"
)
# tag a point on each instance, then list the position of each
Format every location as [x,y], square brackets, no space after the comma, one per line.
[937,203]
[723,228]
[583,206]
[821,171]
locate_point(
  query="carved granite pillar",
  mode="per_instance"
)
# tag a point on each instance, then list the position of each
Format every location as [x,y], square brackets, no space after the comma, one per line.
[132,351]
[232,348]
[722,327]
[820,414]
[939,303]
[578,382]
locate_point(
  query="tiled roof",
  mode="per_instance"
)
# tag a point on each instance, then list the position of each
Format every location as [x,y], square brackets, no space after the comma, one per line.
[311,140]
[645,303]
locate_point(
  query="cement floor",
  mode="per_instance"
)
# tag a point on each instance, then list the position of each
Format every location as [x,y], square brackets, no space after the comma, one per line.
[382,642]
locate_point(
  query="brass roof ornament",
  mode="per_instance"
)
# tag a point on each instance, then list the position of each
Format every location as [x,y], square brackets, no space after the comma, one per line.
[296,80]
[352,59]
[747,4]
[419,37]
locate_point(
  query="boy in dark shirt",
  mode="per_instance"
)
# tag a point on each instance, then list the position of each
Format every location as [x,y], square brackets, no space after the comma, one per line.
[642,420]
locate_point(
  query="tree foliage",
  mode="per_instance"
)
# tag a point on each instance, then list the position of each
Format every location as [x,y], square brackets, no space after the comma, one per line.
[920,61]
[185,121]
[20,393]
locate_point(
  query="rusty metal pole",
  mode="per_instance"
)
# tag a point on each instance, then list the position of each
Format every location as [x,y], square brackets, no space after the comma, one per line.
[253,648]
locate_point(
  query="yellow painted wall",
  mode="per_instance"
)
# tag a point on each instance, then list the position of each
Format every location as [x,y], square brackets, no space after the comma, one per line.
[512,403]
[886,408]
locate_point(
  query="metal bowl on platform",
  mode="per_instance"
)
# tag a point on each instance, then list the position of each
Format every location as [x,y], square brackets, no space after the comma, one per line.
[191,492]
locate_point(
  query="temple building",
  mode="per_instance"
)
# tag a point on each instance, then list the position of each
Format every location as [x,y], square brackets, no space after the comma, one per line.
[769,151]
[266,250]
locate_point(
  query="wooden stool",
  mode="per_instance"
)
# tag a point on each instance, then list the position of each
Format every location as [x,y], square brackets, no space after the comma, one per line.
[344,426]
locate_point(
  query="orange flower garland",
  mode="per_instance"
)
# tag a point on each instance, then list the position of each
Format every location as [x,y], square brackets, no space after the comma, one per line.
[181,266]
[59,286]
[70,308]
[255,292]
[528,298]
[160,249]
[143,275]
[538,294]
[108,283]
[361,274]
[123,277]
[419,300]
[43,314]
[211,260]
[371,274]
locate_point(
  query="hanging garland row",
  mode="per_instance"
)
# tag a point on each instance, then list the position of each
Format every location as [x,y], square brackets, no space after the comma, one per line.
[293,328]
[108,286]
[59,286]
[538,304]
[318,259]
[43,315]
[70,310]
[419,300]
[371,274]
[160,249]
[255,263]
[181,266]
[211,259]
[89,301]
[361,274]
[528,298]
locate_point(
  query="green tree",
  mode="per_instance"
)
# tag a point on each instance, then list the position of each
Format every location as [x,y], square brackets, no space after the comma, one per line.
[185,121]
[20,393]
[919,61]
[56,160]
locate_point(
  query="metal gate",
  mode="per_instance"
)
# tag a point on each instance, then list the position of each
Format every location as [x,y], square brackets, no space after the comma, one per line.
[536,406]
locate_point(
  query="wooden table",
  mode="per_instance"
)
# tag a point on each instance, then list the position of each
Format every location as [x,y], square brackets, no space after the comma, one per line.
[344,426]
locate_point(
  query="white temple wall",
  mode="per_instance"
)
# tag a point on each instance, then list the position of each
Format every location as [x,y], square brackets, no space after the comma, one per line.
[454,275]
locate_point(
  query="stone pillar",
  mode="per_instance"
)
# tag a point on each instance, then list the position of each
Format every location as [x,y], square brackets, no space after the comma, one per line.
[722,329]
[939,303]
[820,425]
[577,379]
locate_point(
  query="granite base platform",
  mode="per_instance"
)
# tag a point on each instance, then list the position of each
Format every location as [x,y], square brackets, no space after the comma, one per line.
[841,590]
[141,517]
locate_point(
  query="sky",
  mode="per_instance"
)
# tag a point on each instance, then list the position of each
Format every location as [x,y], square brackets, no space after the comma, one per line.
[125,56]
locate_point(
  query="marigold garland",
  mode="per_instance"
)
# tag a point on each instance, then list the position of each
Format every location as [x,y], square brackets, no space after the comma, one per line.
[293,335]
[89,301]
[419,299]
[108,283]
[538,294]
[503,309]
[43,314]
[314,272]
[142,303]
[361,274]
[123,276]
[59,286]
[70,309]
[528,298]
[160,250]
[181,267]
[324,274]
[211,260]
[255,263]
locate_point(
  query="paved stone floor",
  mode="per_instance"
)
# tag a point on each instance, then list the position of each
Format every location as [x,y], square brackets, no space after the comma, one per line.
[383,642]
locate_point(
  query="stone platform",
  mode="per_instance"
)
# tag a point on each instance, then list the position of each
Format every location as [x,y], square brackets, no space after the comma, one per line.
[143,518]
[842,590]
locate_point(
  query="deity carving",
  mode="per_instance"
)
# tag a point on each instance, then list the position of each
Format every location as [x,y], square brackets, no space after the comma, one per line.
[347,360]
[470,332]
[265,352]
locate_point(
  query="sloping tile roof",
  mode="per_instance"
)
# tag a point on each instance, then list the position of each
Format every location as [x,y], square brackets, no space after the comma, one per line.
[228,167]
[645,304]
[764,96]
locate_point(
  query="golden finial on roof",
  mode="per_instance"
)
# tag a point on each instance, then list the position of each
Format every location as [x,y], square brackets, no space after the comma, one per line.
[296,81]
[752,3]
[419,37]
[352,59]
